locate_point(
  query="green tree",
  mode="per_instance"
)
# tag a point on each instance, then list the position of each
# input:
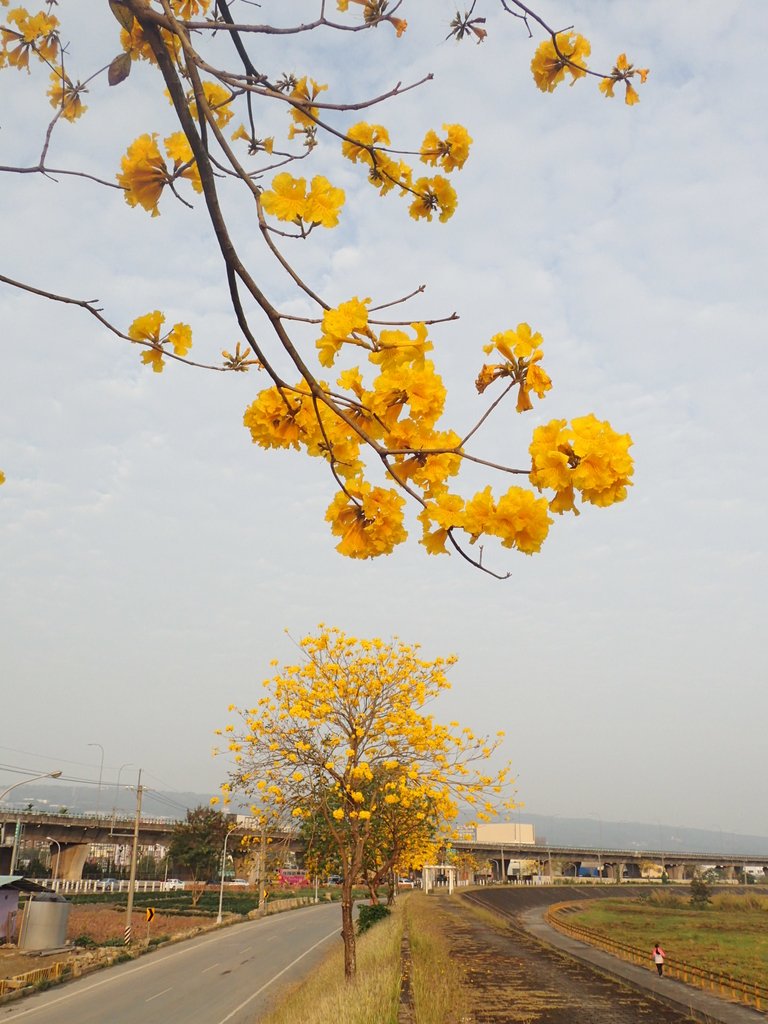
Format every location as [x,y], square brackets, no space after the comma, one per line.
[700,891]
[196,844]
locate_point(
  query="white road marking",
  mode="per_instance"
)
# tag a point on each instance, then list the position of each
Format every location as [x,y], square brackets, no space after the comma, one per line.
[158,995]
[279,974]
[224,934]
[209,968]
[246,949]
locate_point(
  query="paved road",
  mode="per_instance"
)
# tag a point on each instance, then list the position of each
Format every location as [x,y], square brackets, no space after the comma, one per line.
[228,976]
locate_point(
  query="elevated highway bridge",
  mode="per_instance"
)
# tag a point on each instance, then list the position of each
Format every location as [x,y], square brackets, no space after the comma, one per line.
[610,863]
[72,836]
[76,834]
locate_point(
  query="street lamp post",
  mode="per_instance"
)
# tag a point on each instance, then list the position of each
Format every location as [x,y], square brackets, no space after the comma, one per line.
[128,764]
[4,794]
[58,855]
[101,772]
[223,865]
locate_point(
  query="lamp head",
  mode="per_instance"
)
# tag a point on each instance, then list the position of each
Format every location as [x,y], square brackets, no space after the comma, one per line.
[54,775]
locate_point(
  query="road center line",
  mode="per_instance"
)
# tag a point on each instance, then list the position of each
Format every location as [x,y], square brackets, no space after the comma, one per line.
[209,968]
[279,974]
[157,996]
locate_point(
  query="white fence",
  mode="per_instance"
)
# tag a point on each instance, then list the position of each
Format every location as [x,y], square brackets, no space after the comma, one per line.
[62,885]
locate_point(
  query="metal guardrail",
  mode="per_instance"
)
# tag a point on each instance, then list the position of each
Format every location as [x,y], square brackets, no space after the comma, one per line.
[747,992]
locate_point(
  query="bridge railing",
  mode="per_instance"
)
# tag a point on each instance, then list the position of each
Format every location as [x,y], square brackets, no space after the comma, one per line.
[747,992]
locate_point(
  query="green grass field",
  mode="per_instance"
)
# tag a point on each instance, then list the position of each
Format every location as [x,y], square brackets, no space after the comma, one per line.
[729,936]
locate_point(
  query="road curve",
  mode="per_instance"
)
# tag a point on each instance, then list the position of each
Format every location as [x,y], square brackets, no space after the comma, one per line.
[229,976]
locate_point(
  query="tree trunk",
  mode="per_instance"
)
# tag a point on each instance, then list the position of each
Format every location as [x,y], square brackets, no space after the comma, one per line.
[372,890]
[348,931]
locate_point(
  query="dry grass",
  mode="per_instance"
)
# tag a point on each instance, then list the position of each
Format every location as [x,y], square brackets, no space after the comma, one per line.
[104,924]
[438,991]
[372,998]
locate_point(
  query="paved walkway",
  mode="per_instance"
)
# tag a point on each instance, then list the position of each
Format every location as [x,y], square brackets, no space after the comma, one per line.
[697,1003]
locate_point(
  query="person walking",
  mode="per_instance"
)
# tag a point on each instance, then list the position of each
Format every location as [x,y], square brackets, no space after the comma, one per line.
[658,958]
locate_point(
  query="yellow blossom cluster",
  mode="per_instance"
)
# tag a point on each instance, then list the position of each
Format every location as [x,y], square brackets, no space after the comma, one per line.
[219,100]
[145,173]
[374,11]
[303,112]
[518,518]
[623,71]
[369,144]
[522,354]
[189,9]
[450,153]
[289,200]
[27,33]
[566,52]
[342,738]
[587,456]
[66,96]
[400,412]
[149,330]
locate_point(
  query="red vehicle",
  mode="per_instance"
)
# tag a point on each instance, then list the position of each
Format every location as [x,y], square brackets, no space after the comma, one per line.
[294,877]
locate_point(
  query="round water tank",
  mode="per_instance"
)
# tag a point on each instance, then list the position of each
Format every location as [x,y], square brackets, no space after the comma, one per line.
[44,925]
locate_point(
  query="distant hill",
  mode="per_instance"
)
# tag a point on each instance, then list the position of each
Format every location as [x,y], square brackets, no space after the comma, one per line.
[555,830]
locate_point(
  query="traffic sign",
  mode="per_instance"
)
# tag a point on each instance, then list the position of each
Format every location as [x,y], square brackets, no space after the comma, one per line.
[150,913]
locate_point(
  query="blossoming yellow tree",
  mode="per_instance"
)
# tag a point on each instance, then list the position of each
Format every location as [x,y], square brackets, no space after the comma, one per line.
[364,395]
[344,736]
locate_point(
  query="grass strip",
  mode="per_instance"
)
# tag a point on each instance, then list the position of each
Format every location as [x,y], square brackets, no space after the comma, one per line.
[438,994]
[728,936]
[373,995]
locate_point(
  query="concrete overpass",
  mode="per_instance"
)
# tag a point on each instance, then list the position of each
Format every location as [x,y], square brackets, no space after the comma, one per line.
[77,833]
[611,863]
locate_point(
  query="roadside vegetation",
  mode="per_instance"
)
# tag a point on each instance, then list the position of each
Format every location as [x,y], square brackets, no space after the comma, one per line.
[374,993]
[728,935]
[440,996]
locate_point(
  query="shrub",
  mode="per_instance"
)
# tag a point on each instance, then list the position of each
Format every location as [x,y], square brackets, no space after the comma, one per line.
[369,914]
[699,892]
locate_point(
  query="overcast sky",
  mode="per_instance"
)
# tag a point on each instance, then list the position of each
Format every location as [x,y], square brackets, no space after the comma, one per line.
[153,558]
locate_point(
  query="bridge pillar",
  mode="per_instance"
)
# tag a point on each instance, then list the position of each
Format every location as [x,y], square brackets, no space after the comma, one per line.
[729,872]
[676,872]
[72,860]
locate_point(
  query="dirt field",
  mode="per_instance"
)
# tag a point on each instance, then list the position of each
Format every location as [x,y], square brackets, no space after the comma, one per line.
[514,980]
[100,923]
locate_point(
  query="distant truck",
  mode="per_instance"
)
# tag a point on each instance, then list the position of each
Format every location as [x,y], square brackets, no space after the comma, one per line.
[296,878]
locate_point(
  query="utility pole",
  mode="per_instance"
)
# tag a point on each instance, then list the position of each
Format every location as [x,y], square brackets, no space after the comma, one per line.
[263,868]
[134,859]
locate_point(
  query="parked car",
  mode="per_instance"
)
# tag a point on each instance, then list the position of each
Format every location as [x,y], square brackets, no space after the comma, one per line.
[108,884]
[238,883]
[172,884]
